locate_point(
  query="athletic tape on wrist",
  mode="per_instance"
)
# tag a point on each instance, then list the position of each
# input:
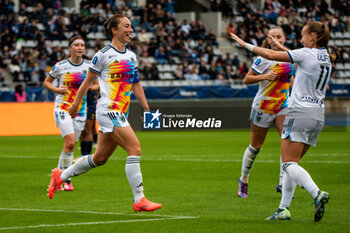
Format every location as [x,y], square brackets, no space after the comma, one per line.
[249,46]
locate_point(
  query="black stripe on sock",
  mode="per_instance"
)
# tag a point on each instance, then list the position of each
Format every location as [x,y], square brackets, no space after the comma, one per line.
[285,166]
[253,150]
[91,163]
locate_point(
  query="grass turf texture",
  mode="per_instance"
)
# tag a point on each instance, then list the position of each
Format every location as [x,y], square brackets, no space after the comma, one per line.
[190,173]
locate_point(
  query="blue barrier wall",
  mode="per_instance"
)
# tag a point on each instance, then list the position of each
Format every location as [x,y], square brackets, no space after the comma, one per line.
[40,94]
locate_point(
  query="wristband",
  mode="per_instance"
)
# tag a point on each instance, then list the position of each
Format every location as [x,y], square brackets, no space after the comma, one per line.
[249,46]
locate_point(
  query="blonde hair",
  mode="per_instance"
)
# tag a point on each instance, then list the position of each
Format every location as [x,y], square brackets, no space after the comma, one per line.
[323,36]
[266,44]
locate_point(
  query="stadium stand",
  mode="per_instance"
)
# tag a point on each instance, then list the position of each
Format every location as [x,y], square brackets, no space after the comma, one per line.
[36,37]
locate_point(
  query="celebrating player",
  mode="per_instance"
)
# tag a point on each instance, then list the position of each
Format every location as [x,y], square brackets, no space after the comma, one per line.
[117,67]
[305,116]
[69,73]
[269,105]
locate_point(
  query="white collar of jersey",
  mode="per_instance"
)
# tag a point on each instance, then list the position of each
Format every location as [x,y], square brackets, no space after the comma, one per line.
[118,50]
[75,64]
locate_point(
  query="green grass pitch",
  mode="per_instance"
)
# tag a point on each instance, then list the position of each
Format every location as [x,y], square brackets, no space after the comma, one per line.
[192,173]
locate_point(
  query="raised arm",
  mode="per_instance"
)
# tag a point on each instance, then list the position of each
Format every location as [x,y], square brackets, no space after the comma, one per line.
[73,109]
[266,53]
[140,95]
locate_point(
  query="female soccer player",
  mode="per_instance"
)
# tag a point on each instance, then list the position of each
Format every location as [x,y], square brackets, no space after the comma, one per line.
[69,73]
[117,67]
[305,117]
[269,105]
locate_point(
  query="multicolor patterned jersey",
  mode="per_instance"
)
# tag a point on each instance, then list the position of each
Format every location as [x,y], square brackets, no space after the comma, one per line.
[117,72]
[272,96]
[72,76]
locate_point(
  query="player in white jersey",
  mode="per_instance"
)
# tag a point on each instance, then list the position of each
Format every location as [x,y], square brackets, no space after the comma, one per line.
[117,67]
[68,75]
[269,105]
[305,116]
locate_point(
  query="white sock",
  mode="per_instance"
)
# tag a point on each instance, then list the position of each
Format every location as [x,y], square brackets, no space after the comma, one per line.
[82,165]
[247,162]
[133,172]
[288,189]
[281,172]
[65,160]
[301,177]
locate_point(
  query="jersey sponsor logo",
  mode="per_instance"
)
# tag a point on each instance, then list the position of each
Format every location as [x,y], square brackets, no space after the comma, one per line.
[257,62]
[121,77]
[311,100]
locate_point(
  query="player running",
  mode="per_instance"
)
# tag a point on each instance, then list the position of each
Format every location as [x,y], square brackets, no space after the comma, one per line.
[117,67]
[269,105]
[305,117]
[69,75]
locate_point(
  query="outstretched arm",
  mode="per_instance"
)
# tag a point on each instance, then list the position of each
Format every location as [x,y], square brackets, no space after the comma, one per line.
[266,53]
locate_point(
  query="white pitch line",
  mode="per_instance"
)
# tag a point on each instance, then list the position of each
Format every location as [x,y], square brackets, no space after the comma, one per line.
[90,223]
[93,212]
[165,158]
[160,218]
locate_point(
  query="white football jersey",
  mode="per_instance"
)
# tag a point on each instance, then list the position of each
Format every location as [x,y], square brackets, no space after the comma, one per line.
[118,71]
[272,96]
[309,89]
[72,76]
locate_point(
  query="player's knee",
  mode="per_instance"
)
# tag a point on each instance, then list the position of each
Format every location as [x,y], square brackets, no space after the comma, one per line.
[256,146]
[135,150]
[70,145]
[100,162]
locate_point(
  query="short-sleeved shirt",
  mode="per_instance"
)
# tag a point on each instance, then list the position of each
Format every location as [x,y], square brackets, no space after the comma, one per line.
[272,96]
[117,72]
[72,76]
[309,89]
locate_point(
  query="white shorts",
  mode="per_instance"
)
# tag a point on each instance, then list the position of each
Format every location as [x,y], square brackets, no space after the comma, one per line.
[109,119]
[262,119]
[67,125]
[305,130]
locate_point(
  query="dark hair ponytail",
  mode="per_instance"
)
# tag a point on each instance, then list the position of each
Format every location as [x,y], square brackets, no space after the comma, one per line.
[112,22]
[323,36]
